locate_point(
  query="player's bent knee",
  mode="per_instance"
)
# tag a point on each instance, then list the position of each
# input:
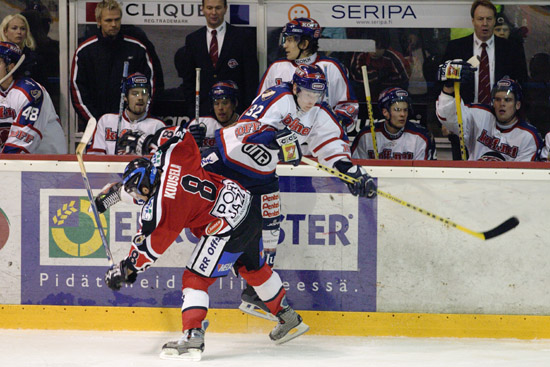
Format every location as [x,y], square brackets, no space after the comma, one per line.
[195,281]
[256,277]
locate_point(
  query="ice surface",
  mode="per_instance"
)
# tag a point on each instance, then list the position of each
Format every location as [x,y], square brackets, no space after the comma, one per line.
[63,348]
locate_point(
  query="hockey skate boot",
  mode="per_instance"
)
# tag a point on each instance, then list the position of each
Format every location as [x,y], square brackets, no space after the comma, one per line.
[189,347]
[290,326]
[253,305]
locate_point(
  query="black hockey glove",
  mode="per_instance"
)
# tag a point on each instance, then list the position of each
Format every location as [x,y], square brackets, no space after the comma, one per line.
[124,272]
[365,185]
[289,147]
[456,70]
[109,196]
[134,142]
[199,133]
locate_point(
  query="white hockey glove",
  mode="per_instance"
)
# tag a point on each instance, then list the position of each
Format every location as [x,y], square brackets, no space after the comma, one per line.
[122,273]
[199,133]
[289,147]
[109,196]
[456,70]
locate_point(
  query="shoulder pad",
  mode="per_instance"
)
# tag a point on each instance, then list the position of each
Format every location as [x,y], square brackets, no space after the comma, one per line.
[30,87]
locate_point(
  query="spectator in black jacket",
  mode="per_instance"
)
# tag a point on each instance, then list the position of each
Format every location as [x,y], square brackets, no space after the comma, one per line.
[98,64]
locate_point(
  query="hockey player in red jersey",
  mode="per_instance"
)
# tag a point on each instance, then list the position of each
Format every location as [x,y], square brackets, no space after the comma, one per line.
[177,193]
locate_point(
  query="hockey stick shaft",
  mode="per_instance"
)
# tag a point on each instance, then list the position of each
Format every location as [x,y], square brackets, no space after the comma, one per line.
[90,128]
[369,108]
[197,93]
[21,59]
[121,102]
[498,230]
[459,119]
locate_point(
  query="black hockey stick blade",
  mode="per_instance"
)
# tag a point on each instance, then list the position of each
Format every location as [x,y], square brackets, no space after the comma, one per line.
[502,228]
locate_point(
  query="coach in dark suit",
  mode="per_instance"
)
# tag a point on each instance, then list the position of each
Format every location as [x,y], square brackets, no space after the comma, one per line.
[505,58]
[236,59]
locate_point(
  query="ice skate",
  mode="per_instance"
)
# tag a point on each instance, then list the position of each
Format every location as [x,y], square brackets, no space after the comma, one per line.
[290,326]
[189,347]
[253,305]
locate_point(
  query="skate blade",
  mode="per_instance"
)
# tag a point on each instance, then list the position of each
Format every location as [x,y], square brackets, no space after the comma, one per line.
[254,310]
[193,355]
[294,333]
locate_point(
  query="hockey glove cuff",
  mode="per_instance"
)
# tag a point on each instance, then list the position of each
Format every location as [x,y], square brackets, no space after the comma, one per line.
[109,196]
[289,146]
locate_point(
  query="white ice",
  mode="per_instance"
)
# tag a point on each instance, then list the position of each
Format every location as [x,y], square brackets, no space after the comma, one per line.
[61,348]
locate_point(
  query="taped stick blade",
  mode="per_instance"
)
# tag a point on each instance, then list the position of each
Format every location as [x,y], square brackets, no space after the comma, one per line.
[502,228]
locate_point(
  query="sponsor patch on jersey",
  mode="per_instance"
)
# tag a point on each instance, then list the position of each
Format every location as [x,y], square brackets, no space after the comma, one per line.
[267,94]
[232,204]
[211,158]
[232,63]
[257,153]
[218,226]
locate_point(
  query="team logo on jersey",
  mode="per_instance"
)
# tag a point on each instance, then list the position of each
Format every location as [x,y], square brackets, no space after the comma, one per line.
[232,63]
[73,232]
[267,94]
[36,93]
[495,144]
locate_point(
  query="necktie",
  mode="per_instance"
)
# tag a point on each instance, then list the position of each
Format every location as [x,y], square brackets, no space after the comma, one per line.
[214,49]
[484,81]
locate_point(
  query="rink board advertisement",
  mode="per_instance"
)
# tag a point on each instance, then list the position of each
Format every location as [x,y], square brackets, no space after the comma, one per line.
[327,257]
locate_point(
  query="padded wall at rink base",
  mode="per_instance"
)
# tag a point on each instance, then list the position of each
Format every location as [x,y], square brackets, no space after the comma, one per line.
[351,266]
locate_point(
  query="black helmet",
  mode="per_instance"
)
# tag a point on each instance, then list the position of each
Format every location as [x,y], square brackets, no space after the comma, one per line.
[141,177]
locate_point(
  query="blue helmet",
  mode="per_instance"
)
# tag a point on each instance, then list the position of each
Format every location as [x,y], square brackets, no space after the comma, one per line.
[137,80]
[302,27]
[508,85]
[225,89]
[140,177]
[391,95]
[10,52]
[310,77]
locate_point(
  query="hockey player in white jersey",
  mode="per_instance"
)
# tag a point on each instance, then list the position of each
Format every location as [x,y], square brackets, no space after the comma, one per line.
[28,122]
[396,137]
[224,99]
[488,128]
[545,153]
[135,118]
[300,38]
[272,129]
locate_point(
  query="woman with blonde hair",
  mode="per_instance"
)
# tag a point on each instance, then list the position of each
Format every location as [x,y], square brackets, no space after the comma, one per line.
[15,29]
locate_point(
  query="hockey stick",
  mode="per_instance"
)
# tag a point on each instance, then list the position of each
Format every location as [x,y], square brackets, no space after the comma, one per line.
[21,59]
[459,119]
[369,107]
[121,103]
[90,128]
[197,93]
[497,231]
